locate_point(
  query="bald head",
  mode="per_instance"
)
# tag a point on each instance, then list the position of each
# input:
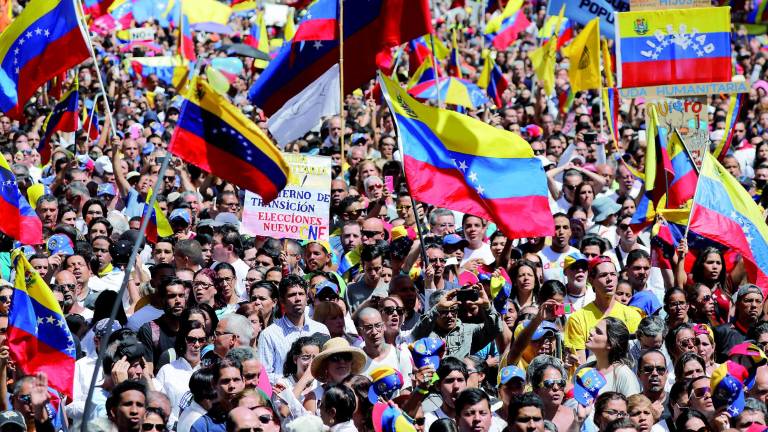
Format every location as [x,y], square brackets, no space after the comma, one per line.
[65,277]
[242,418]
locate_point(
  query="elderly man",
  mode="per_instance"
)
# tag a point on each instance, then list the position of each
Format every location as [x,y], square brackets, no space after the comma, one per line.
[749,308]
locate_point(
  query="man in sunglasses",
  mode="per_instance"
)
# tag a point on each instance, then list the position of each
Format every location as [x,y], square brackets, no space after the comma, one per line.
[433,275]
[652,372]
[700,396]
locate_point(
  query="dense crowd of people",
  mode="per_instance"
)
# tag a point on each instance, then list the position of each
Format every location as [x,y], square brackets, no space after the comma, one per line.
[444,324]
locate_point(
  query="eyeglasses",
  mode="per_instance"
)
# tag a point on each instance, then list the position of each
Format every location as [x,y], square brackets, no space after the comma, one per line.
[389,310]
[659,369]
[152,426]
[700,392]
[370,234]
[345,357]
[404,207]
[538,152]
[355,213]
[227,279]
[437,260]
[691,341]
[5,299]
[25,398]
[375,186]
[200,284]
[64,286]
[371,327]
[220,333]
[193,340]
[418,421]
[623,227]
[447,312]
[570,187]
[706,299]
[551,383]
[615,413]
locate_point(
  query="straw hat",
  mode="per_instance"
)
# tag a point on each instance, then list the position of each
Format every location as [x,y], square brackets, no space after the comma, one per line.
[334,346]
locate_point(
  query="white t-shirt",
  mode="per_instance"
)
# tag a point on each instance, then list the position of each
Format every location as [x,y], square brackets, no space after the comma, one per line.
[398,359]
[553,262]
[483,253]
[580,302]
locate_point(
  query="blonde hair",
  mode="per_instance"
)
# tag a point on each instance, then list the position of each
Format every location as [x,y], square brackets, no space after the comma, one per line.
[641,401]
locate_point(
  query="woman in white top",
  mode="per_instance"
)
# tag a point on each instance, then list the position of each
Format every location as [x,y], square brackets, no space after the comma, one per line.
[297,381]
[174,377]
[609,341]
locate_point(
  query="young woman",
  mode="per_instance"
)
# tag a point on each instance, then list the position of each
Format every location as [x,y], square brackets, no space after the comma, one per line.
[174,376]
[706,346]
[701,305]
[335,362]
[525,284]
[225,289]
[297,381]
[608,341]
[264,298]
[676,306]
[204,287]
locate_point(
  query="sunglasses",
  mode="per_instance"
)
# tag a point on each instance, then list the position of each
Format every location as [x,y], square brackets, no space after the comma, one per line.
[700,392]
[616,413]
[706,299]
[370,234]
[623,227]
[356,213]
[447,312]
[389,310]
[375,186]
[689,341]
[551,383]
[418,421]
[345,357]
[659,369]
[192,340]
[437,260]
[5,299]
[152,426]
[25,398]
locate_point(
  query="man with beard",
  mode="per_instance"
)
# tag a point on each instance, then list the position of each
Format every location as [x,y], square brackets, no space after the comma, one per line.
[160,334]
[553,256]
[604,279]
[379,353]
[65,284]
[317,256]
[749,307]
[652,372]
[576,292]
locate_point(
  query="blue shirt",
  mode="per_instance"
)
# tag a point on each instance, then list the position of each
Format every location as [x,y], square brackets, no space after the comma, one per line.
[133,205]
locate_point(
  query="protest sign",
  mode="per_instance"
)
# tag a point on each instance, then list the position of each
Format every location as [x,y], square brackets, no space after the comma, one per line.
[302,210]
[685,90]
[689,116]
[583,11]
[637,5]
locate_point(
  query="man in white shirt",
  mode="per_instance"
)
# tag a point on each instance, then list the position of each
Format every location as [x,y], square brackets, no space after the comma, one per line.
[553,256]
[379,353]
[577,292]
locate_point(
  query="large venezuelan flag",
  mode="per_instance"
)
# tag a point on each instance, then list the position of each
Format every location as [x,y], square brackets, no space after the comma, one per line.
[19,219]
[41,43]
[214,135]
[723,211]
[38,336]
[673,46]
[683,184]
[461,163]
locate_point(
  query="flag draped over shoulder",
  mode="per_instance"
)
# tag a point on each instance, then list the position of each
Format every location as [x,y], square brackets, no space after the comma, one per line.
[19,220]
[584,58]
[371,29]
[216,136]
[723,211]
[679,46]
[41,43]
[38,336]
[158,226]
[461,163]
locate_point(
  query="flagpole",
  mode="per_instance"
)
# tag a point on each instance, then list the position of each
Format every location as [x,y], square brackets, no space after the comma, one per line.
[123,286]
[90,118]
[87,36]
[341,84]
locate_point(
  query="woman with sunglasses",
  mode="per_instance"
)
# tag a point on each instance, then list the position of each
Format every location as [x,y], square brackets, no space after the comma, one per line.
[335,362]
[701,305]
[680,340]
[174,377]
[226,293]
[547,376]
[609,341]
[392,312]
[297,381]
[154,420]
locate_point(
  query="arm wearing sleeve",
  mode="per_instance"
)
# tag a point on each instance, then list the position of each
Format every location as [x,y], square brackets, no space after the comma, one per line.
[425,325]
[574,332]
[485,333]
[266,356]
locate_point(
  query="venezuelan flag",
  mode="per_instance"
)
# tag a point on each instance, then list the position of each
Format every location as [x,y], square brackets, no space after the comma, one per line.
[96,8]
[186,40]
[168,69]
[676,46]
[724,212]
[454,58]
[41,43]
[683,184]
[90,122]
[158,226]
[19,220]
[461,163]
[214,135]
[420,49]
[493,81]
[62,118]
[658,167]
[644,214]
[734,107]
[38,337]
[259,39]
[424,73]
[548,29]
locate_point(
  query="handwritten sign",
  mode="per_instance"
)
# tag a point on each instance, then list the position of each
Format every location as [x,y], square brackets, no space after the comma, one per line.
[302,210]
[689,116]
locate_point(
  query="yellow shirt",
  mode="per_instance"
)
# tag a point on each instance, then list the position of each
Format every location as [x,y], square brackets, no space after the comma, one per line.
[580,323]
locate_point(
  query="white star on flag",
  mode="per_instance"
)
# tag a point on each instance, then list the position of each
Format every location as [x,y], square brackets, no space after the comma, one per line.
[473,176]
[318,45]
[480,190]
[462,165]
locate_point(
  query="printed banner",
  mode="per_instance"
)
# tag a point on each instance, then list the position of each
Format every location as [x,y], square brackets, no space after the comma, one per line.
[302,210]
[584,11]
[689,116]
[681,46]
[683,90]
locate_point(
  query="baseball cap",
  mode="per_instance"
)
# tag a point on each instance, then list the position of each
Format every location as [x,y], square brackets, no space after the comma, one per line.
[544,329]
[509,372]
[386,381]
[106,189]
[727,390]
[101,327]
[587,385]
[390,419]
[646,301]
[14,418]
[180,214]
[226,219]
[103,165]
[574,257]
[324,286]
[468,278]
[750,357]
[60,243]
[454,241]
[427,351]
[545,161]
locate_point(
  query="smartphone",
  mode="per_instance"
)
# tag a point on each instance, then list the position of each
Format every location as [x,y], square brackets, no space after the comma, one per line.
[590,137]
[467,295]
[563,309]
[389,183]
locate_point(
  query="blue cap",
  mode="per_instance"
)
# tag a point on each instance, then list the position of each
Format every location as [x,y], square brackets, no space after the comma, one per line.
[427,351]
[386,382]
[546,327]
[324,285]
[60,243]
[106,189]
[587,385]
[180,213]
[646,301]
[510,372]
[148,148]
[454,240]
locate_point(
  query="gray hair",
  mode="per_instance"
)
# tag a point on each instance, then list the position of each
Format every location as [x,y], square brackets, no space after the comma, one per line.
[651,326]
[242,354]
[20,169]
[755,405]
[364,312]
[240,326]
[185,194]
[371,179]
[541,363]
[436,213]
